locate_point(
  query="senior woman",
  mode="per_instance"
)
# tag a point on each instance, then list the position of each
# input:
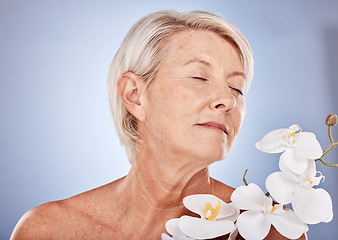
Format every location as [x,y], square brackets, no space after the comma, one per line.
[176,92]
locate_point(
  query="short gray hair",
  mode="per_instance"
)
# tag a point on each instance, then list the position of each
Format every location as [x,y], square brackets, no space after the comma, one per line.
[143,49]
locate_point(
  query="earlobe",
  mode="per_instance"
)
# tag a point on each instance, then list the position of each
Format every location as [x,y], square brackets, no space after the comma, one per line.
[130,87]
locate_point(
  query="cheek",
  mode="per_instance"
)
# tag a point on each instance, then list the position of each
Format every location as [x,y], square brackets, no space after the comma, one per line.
[240,114]
[180,100]
[166,106]
[242,111]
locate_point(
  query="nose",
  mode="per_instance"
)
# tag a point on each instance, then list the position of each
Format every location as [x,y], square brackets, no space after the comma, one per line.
[223,100]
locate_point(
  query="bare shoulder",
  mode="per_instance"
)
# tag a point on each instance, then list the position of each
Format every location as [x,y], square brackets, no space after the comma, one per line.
[69,218]
[221,190]
[37,222]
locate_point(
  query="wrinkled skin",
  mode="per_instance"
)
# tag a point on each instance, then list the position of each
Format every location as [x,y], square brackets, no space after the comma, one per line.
[188,118]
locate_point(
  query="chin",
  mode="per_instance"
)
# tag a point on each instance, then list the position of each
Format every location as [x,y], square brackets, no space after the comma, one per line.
[209,148]
[220,153]
[212,154]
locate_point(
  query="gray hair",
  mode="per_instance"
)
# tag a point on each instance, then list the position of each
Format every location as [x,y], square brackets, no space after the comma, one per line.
[143,49]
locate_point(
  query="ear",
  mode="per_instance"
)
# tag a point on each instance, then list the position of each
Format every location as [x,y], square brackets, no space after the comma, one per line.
[130,87]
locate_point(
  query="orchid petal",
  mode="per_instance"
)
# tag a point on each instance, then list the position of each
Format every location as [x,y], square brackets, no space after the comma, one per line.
[182,237]
[204,229]
[234,233]
[280,187]
[288,224]
[294,162]
[253,225]
[274,142]
[290,174]
[311,170]
[196,203]
[308,146]
[329,219]
[236,213]
[172,227]
[249,197]
[312,205]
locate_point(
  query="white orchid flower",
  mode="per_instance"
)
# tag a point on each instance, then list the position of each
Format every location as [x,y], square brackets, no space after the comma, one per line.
[167,237]
[216,218]
[234,233]
[311,205]
[260,214]
[173,228]
[298,147]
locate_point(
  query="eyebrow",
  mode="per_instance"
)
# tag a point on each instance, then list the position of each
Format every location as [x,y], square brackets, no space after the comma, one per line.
[206,63]
[198,60]
[236,73]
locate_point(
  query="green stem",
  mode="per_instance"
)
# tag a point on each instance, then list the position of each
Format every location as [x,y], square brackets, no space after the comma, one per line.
[244,180]
[332,145]
[330,135]
[246,183]
[327,164]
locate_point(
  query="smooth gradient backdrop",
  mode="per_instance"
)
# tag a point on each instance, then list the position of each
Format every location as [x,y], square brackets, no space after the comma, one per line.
[57,135]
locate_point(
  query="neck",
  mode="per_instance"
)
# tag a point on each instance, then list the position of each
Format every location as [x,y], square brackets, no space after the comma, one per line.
[165,190]
[153,191]
[162,187]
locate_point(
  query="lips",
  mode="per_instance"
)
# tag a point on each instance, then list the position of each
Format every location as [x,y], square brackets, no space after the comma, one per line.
[214,125]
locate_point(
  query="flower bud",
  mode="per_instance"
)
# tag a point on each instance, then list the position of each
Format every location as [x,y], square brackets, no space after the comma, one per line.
[331,120]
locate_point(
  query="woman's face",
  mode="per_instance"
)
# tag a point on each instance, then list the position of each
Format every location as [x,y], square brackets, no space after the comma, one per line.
[195,107]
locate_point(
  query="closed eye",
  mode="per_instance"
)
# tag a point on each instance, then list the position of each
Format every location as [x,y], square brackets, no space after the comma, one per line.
[200,78]
[237,90]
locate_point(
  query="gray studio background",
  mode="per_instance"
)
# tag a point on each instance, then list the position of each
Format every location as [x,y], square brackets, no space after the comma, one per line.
[57,136]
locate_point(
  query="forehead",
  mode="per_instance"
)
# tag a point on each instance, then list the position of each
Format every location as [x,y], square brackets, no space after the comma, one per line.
[205,47]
